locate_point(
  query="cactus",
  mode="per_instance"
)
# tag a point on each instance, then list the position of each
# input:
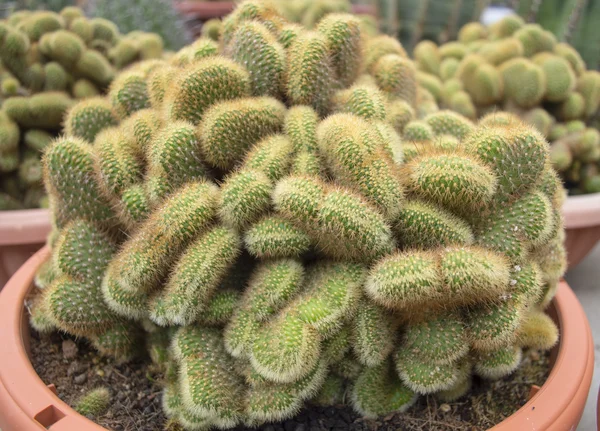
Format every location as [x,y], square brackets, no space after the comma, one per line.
[292,215]
[253,46]
[396,75]
[343,35]
[310,76]
[159,17]
[93,403]
[44,110]
[195,278]
[560,79]
[69,165]
[190,95]
[87,118]
[341,139]
[173,159]
[49,62]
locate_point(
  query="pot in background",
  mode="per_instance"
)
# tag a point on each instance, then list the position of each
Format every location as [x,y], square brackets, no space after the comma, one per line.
[22,233]
[582,226]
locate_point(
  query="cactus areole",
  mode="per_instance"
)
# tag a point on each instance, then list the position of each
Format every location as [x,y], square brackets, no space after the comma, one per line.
[250,212]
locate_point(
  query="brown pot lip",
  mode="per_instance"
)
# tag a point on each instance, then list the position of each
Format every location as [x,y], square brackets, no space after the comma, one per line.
[556,406]
[581,211]
[24,226]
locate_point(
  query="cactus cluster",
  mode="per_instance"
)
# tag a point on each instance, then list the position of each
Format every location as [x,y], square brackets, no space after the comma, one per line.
[519,68]
[277,219]
[48,62]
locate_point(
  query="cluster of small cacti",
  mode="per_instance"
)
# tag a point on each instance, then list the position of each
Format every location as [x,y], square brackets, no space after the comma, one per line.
[49,61]
[519,68]
[572,21]
[258,218]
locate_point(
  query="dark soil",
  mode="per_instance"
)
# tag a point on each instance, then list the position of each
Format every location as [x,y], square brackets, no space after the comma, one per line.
[75,368]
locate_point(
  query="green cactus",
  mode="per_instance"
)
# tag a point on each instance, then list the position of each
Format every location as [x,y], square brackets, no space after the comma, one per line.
[449,123]
[344,39]
[139,265]
[516,154]
[497,364]
[366,102]
[254,117]
[524,81]
[424,225]
[255,47]
[353,154]
[173,159]
[43,110]
[129,93]
[588,85]
[208,387]
[117,162]
[300,126]
[133,206]
[423,377]
[457,182]
[87,118]
[397,76]
[212,29]
[195,277]
[378,47]
[121,342]
[537,331]
[9,143]
[535,39]
[310,78]
[560,79]
[195,89]
[70,178]
[374,334]
[94,402]
[327,215]
[378,390]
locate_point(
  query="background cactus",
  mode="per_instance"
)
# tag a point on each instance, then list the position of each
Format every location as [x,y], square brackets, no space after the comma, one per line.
[509,66]
[283,237]
[49,61]
[155,16]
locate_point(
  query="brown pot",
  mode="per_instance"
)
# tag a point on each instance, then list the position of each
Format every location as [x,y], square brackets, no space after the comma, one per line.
[22,233]
[27,404]
[582,225]
[204,10]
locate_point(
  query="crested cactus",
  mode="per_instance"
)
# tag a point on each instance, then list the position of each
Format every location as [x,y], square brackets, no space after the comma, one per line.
[290,215]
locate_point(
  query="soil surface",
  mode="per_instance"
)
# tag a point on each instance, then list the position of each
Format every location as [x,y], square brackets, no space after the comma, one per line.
[75,368]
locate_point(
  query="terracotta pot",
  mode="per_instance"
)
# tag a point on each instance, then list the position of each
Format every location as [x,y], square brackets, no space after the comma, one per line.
[22,233]
[204,10]
[582,224]
[27,404]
